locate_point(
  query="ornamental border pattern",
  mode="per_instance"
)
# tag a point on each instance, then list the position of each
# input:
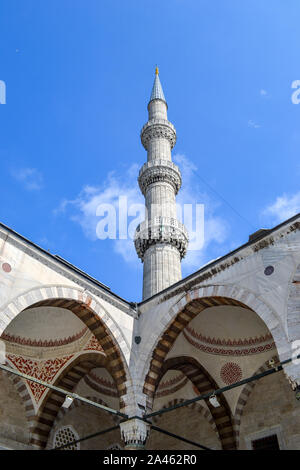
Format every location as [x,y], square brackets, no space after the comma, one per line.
[97,388]
[170,382]
[229,352]
[228,342]
[169,391]
[43,343]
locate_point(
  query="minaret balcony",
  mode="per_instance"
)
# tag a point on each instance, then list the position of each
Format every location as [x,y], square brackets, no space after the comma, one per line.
[161,230]
[159,171]
[157,129]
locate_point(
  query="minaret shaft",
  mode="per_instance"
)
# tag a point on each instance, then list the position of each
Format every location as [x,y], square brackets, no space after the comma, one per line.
[161,240]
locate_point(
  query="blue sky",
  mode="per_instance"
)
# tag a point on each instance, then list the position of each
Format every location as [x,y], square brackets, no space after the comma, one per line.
[78,77]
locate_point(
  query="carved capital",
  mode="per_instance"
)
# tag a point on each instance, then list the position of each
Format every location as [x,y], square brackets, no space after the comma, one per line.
[134,433]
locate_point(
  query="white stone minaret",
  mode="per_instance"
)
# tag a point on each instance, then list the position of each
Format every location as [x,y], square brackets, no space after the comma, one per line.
[161,240]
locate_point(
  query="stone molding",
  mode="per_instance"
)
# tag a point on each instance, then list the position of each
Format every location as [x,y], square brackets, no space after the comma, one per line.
[134,432]
[159,171]
[167,230]
[158,129]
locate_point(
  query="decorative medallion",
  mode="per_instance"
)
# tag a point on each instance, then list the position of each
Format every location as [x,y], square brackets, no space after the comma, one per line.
[269,270]
[231,373]
[6,267]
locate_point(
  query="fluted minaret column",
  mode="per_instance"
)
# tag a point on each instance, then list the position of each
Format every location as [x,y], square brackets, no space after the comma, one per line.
[161,240]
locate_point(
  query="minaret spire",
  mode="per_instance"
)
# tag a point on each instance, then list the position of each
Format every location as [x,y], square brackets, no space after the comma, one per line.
[157,91]
[161,240]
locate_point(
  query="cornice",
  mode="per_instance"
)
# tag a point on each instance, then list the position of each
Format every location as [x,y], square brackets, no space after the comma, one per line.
[65,269]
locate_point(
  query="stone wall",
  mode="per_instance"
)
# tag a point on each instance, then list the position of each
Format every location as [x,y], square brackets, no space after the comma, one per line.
[271,408]
[188,423]
[14,432]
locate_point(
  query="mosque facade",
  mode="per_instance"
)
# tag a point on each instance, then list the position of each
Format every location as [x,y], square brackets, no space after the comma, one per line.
[132,366]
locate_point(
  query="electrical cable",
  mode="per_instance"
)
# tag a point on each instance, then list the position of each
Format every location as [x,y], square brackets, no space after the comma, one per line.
[272,370]
[223,389]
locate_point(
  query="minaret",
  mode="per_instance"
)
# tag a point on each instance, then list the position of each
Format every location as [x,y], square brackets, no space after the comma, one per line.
[161,240]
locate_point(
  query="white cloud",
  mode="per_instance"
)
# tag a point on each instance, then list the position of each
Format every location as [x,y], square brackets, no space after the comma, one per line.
[31,178]
[263,92]
[82,210]
[253,124]
[283,208]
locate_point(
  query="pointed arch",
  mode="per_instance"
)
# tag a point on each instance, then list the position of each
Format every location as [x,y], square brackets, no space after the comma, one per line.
[90,312]
[187,308]
[204,383]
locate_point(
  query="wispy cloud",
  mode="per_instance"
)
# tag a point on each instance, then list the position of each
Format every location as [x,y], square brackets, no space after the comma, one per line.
[83,208]
[31,178]
[282,208]
[253,124]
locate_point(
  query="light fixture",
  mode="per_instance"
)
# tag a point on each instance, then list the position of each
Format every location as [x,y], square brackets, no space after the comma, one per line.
[68,402]
[272,364]
[214,401]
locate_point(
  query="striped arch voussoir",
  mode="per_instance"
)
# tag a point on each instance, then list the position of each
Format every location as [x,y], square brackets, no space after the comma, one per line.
[185,314]
[244,397]
[86,309]
[204,383]
[22,390]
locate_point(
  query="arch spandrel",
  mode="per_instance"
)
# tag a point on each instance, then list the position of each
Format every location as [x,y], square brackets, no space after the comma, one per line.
[42,295]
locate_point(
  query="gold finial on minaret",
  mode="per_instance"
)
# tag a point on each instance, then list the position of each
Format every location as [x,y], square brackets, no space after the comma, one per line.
[156,70]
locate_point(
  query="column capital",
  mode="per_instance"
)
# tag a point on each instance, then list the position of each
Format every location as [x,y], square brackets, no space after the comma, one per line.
[134,433]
